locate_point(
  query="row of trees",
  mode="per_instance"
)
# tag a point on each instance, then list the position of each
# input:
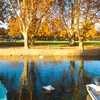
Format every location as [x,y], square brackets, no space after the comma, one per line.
[64,18]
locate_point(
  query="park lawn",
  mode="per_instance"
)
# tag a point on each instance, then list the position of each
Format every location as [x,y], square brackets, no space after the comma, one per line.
[52,43]
[11,43]
[92,42]
[65,43]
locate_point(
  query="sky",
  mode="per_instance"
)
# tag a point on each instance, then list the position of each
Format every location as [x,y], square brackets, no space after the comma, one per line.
[3,25]
[97,26]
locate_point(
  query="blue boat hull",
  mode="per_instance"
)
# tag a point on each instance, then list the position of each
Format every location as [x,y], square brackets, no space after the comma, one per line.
[3,94]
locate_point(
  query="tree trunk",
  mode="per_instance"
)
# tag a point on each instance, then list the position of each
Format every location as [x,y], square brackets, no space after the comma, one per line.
[72,42]
[81,44]
[32,41]
[25,35]
[72,39]
[80,35]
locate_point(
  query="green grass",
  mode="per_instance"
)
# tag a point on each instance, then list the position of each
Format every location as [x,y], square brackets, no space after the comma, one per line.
[6,43]
[92,42]
[65,42]
[52,43]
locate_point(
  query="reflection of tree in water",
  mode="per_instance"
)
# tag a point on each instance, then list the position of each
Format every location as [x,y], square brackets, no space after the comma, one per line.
[78,84]
[26,86]
[26,82]
[77,78]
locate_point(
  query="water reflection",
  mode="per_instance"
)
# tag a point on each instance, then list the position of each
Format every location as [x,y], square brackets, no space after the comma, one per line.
[26,86]
[24,78]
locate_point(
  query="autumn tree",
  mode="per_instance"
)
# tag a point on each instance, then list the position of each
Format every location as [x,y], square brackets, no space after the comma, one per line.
[56,26]
[5,12]
[92,34]
[63,34]
[2,31]
[29,11]
[76,14]
[66,14]
[89,13]
[52,23]
[14,27]
[45,31]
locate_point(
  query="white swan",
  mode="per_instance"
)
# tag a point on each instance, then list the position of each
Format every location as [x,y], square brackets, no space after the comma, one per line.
[48,88]
[41,56]
[22,57]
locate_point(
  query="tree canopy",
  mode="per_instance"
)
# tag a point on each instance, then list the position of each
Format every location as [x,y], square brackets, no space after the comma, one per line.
[5,11]
[29,12]
[65,18]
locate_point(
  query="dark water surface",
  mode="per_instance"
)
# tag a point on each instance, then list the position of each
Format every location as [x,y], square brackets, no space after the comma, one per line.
[24,78]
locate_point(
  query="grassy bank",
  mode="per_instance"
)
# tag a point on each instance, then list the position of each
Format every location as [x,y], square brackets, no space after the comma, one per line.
[11,43]
[65,43]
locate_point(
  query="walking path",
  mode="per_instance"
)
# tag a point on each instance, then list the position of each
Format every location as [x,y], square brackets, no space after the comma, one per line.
[44,50]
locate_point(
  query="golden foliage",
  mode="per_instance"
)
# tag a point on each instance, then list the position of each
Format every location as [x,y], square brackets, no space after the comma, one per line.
[14,27]
[63,33]
[92,33]
[45,31]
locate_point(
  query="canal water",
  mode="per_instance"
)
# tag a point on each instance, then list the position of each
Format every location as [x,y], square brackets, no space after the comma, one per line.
[24,77]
